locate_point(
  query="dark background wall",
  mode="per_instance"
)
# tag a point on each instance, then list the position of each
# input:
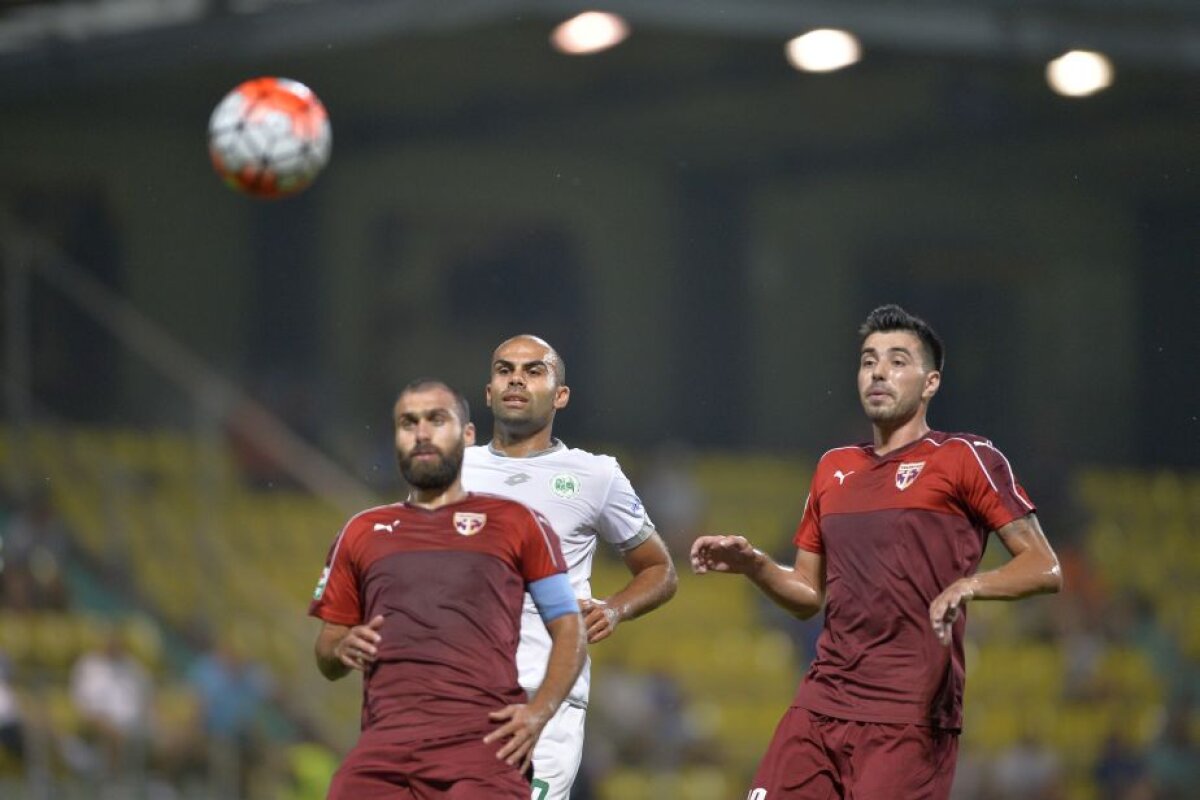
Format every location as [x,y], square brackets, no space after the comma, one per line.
[696,226]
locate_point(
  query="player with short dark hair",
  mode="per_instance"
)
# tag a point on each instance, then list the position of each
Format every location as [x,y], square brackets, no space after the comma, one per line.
[424,598]
[890,318]
[889,543]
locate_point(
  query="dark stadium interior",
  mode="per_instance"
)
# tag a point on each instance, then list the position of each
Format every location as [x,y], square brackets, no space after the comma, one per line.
[195,379]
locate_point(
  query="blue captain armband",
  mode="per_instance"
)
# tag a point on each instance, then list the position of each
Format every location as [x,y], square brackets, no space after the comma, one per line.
[554,597]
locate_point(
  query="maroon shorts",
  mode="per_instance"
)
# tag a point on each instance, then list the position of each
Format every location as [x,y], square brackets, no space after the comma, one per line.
[814,757]
[458,769]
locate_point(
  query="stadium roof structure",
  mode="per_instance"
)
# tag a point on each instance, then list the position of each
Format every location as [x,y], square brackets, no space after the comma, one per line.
[55,43]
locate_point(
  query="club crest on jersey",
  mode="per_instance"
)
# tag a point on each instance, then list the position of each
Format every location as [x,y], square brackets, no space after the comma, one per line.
[469,523]
[907,472]
[320,590]
[565,485]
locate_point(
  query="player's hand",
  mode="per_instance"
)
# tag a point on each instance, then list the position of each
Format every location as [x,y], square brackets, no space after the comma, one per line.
[599,618]
[723,554]
[945,608]
[522,727]
[359,648]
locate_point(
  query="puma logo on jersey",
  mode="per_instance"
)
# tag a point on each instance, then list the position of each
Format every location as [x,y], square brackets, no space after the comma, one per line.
[390,527]
[841,476]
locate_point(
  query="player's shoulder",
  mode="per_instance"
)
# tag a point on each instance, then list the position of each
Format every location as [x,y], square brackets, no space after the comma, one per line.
[837,458]
[368,518]
[595,463]
[576,470]
[970,449]
[969,439]
[476,453]
[959,443]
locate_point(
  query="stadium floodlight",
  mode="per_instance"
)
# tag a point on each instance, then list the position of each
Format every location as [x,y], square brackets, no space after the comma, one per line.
[589,32]
[823,50]
[1079,73]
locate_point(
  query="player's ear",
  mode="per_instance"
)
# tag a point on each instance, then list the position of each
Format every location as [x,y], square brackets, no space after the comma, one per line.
[562,395]
[933,381]
[469,434]
[487,395]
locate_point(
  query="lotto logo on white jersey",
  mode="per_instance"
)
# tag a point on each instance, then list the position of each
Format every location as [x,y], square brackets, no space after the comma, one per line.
[757,794]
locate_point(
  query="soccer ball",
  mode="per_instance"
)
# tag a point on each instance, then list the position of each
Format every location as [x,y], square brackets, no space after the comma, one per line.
[269,137]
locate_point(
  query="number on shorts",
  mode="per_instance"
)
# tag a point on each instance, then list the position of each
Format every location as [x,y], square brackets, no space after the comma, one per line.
[540,789]
[757,794]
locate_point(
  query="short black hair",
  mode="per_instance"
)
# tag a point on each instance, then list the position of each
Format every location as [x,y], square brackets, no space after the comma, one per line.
[892,317]
[422,384]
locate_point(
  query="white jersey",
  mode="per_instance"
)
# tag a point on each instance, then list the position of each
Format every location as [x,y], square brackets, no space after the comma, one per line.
[585,497]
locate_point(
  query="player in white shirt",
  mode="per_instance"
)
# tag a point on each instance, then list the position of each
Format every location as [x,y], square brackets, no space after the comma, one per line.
[586,497]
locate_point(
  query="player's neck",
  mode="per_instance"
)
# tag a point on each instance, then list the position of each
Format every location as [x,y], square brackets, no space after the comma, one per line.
[521,446]
[436,498]
[889,438]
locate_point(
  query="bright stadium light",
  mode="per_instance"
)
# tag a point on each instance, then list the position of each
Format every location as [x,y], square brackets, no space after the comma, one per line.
[1079,73]
[824,50]
[589,32]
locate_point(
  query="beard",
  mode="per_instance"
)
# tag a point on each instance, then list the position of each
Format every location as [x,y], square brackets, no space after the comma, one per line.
[897,413]
[431,475]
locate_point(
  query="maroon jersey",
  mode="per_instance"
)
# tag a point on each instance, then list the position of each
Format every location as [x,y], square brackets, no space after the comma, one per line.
[895,531]
[450,584]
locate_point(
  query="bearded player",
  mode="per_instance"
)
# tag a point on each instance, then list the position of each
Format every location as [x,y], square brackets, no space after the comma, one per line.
[889,543]
[587,498]
[424,598]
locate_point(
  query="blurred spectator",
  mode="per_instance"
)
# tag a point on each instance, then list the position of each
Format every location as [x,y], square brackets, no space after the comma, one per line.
[1120,770]
[35,545]
[673,497]
[111,691]
[12,724]
[1028,770]
[233,693]
[310,769]
[1083,647]
[970,776]
[1174,759]
[640,722]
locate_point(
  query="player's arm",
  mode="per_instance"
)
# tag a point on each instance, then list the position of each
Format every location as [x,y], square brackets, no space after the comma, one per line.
[522,724]
[653,583]
[341,648]
[799,590]
[1033,569]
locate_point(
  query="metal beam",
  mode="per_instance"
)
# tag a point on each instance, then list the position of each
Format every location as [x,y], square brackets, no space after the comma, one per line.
[1161,34]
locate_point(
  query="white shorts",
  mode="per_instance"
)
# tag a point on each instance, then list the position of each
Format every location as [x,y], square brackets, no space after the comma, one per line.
[557,754]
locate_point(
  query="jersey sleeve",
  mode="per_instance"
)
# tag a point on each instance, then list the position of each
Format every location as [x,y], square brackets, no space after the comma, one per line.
[540,553]
[623,520]
[989,487]
[808,532]
[336,598]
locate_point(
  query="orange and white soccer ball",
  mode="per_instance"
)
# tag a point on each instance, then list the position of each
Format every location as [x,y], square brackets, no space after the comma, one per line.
[269,137]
